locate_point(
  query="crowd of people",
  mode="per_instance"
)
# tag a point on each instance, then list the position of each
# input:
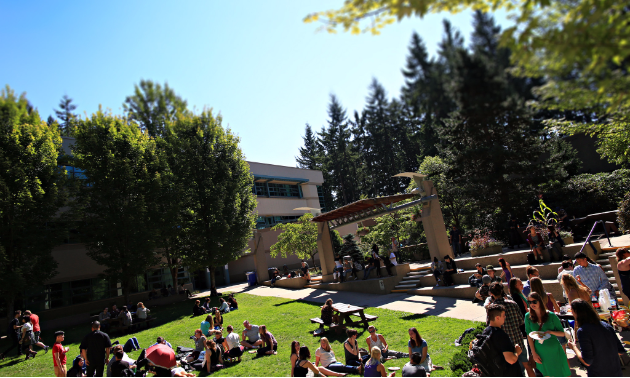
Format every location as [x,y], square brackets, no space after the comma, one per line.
[525,327]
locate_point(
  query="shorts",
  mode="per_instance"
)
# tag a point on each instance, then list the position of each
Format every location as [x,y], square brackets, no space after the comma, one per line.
[36,335]
[235,352]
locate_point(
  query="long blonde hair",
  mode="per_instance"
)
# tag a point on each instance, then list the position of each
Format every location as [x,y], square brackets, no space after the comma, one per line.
[209,320]
[327,348]
[375,356]
[570,283]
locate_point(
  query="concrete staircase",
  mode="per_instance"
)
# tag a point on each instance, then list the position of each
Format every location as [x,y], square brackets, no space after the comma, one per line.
[314,281]
[412,279]
[603,260]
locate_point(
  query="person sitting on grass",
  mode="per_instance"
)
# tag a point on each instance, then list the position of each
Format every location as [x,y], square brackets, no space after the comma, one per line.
[270,344]
[223,307]
[351,349]
[235,350]
[251,336]
[511,350]
[200,344]
[417,345]
[326,356]
[161,340]
[377,340]
[232,302]
[197,309]
[206,305]
[119,366]
[213,360]
[78,368]
[295,355]
[484,291]
[207,325]
[218,319]
[303,364]
[374,367]
[413,367]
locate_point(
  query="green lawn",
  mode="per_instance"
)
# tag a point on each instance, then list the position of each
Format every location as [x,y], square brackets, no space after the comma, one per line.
[287,319]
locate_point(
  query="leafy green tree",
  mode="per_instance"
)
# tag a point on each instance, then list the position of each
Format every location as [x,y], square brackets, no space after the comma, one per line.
[66,107]
[218,202]
[31,193]
[116,200]
[152,106]
[580,46]
[298,238]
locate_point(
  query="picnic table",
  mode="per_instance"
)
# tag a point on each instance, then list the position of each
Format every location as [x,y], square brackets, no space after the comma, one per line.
[345,313]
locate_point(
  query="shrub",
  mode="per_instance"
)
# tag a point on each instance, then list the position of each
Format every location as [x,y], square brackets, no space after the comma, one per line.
[590,193]
[460,363]
[623,217]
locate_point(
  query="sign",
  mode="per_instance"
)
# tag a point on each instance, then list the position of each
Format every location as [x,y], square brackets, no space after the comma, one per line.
[380,282]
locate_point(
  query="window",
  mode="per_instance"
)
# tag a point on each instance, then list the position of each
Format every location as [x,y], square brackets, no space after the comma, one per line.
[283,190]
[265,222]
[260,189]
[320,194]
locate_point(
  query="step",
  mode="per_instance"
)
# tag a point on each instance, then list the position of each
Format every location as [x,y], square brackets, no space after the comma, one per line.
[606,254]
[424,273]
[603,262]
[406,286]
[412,278]
[399,290]
[606,267]
[422,268]
[468,292]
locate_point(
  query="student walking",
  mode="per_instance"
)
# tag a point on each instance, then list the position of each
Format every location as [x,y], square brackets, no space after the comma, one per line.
[14,332]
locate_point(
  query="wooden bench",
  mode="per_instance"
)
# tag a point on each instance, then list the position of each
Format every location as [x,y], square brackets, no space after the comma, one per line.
[367,317]
[334,326]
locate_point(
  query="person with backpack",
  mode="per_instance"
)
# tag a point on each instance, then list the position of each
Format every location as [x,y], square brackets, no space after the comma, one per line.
[550,358]
[508,352]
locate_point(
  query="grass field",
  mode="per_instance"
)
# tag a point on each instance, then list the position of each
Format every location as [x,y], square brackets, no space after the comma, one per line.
[287,319]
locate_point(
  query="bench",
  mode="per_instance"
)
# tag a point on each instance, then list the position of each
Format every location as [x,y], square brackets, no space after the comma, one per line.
[147,321]
[337,327]
[367,317]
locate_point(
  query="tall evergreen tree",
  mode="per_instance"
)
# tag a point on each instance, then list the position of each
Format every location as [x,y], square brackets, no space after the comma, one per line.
[66,107]
[309,154]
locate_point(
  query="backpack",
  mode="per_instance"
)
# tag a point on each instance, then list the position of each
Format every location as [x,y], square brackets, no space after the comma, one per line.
[458,342]
[489,359]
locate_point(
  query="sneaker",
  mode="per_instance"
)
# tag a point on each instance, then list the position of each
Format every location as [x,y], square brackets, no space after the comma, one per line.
[46,347]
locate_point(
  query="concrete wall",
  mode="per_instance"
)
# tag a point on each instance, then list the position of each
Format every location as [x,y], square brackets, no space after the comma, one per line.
[372,286]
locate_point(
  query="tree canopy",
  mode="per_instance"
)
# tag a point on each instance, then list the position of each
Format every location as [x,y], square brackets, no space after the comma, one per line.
[31,193]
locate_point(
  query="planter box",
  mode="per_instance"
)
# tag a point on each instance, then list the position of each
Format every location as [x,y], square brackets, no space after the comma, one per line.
[568,241]
[363,232]
[494,250]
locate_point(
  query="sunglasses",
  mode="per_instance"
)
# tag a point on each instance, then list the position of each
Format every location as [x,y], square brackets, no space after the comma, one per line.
[533,301]
[371,330]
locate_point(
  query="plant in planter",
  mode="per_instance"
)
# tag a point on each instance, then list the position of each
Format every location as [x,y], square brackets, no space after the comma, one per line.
[483,240]
[567,236]
[362,231]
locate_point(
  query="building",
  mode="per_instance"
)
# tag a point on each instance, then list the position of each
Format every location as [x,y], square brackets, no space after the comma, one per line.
[77,286]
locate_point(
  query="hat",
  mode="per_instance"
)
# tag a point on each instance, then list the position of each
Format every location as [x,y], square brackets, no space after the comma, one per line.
[486,279]
[59,333]
[489,267]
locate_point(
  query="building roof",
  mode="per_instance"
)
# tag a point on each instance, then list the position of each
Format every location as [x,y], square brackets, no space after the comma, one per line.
[364,207]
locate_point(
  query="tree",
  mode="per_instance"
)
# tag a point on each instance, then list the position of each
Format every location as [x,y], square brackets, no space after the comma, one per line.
[580,47]
[217,198]
[31,193]
[350,248]
[299,238]
[66,116]
[309,154]
[152,106]
[116,200]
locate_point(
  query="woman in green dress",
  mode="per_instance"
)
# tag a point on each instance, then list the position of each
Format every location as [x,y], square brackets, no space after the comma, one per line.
[550,358]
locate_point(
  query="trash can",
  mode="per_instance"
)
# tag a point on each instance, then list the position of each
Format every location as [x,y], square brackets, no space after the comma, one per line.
[251,279]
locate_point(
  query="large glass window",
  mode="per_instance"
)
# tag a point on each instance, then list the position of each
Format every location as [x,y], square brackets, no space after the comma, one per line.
[320,194]
[283,190]
[265,222]
[260,189]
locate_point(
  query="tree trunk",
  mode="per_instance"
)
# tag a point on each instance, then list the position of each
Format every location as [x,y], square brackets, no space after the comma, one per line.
[213,286]
[173,270]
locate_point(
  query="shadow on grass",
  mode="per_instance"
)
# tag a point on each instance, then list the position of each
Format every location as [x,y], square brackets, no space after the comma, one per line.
[414,317]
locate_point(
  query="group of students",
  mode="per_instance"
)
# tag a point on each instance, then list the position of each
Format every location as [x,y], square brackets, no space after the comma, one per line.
[368,363]
[124,315]
[346,267]
[224,307]
[24,332]
[529,308]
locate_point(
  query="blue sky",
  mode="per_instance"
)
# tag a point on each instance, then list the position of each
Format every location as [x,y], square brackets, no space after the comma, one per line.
[255,62]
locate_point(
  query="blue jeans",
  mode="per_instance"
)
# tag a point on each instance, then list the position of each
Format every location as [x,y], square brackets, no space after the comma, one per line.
[131,344]
[366,272]
[522,360]
[338,367]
